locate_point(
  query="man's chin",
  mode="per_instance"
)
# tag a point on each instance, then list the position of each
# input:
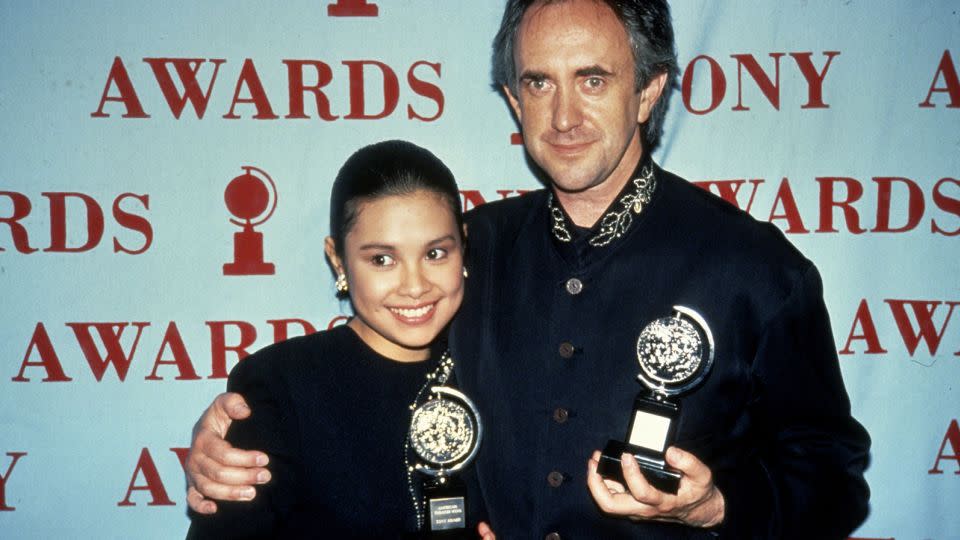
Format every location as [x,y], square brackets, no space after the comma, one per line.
[569,184]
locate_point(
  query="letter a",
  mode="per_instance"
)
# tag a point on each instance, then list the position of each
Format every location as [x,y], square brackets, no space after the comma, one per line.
[953,437]
[128,96]
[950,79]
[48,358]
[869,335]
[154,485]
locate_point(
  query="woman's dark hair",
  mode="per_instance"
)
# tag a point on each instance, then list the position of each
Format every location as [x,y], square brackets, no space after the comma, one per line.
[386,169]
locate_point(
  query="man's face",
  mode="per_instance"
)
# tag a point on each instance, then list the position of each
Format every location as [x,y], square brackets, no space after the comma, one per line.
[576,97]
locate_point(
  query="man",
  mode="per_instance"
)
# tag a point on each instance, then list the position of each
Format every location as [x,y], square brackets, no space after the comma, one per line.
[564,279]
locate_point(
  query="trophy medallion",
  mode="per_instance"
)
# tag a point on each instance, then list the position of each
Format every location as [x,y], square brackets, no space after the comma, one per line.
[675,355]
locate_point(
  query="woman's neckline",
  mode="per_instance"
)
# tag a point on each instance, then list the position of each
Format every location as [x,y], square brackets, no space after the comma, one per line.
[393,361]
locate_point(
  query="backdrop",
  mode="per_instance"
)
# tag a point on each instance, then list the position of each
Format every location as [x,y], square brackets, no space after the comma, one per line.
[130,286]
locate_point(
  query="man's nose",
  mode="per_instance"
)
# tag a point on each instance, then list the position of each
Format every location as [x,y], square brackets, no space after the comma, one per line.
[567,113]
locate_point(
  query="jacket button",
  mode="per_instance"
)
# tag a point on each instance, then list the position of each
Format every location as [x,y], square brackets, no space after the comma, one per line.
[555,478]
[566,349]
[560,415]
[574,286]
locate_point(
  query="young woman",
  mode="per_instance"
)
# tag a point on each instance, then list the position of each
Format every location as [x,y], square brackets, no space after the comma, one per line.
[332,409]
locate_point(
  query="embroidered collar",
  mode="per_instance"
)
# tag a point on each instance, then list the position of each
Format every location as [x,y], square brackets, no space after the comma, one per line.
[618,218]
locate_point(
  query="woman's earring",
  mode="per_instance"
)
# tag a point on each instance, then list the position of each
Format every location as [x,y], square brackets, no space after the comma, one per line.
[341,285]
[465,273]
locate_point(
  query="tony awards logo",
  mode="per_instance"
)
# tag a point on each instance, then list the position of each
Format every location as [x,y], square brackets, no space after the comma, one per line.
[251,198]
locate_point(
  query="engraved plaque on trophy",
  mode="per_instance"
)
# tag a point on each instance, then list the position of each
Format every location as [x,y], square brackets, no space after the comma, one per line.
[675,355]
[445,434]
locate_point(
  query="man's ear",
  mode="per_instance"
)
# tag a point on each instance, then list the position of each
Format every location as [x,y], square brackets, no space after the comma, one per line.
[649,96]
[514,102]
[330,248]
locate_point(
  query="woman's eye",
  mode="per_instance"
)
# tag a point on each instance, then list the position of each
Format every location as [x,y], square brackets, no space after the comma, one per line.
[436,254]
[381,260]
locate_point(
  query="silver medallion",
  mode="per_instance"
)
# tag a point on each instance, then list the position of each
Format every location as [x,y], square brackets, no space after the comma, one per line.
[675,352]
[445,431]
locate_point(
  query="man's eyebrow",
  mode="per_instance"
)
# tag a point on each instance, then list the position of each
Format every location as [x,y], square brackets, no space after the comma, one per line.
[594,70]
[533,76]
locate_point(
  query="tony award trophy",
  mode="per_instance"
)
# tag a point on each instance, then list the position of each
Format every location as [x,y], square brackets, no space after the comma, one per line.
[444,437]
[675,354]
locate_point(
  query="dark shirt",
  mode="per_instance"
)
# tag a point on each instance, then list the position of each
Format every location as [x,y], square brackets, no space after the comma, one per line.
[332,414]
[552,365]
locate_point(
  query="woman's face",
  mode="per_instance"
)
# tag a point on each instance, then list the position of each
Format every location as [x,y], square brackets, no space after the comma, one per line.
[404,265]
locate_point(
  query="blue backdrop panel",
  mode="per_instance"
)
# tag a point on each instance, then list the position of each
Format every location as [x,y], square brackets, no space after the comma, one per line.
[124,123]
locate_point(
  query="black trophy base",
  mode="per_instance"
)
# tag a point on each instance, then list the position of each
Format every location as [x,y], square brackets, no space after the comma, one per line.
[655,470]
[445,512]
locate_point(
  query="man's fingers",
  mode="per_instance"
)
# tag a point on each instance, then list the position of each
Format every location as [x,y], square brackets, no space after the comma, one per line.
[485,532]
[214,468]
[692,468]
[612,497]
[639,500]
[224,492]
[225,474]
[235,457]
[233,405]
[220,471]
[704,505]
[222,452]
[637,484]
[198,503]
[597,485]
